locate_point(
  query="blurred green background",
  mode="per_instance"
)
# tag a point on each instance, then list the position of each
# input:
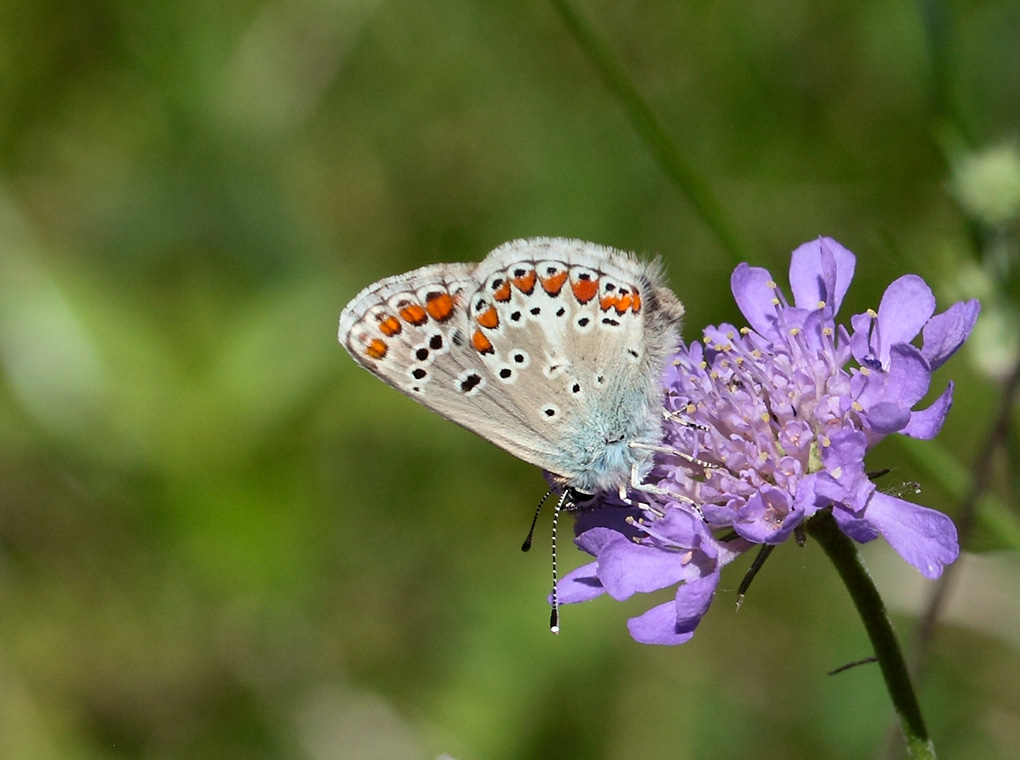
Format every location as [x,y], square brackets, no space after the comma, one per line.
[219,538]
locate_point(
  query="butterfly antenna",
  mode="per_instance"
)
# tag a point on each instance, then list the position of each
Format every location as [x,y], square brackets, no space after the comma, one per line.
[554,616]
[526,546]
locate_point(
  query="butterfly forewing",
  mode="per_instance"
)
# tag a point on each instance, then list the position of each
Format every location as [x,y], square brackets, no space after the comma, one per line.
[413,331]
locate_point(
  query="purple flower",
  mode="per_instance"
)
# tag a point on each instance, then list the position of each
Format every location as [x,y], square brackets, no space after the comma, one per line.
[774,421]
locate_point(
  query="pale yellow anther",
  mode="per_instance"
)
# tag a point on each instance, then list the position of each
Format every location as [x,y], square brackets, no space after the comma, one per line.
[865,371]
[745,330]
[771,284]
[794,331]
[856,406]
[821,304]
[872,313]
[837,472]
[827,331]
[775,302]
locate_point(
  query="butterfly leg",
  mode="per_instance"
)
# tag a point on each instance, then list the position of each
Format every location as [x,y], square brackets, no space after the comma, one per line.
[637,484]
[680,419]
[673,452]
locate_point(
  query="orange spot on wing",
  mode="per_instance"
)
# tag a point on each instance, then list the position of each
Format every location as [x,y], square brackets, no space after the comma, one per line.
[635,305]
[439,305]
[502,293]
[414,314]
[553,284]
[608,302]
[488,318]
[481,343]
[526,282]
[389,325]
[584,290]
[376,349]
[623,303]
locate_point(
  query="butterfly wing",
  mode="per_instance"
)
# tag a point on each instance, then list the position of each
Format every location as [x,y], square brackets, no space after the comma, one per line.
[413,332]
[552,349]
[579,337]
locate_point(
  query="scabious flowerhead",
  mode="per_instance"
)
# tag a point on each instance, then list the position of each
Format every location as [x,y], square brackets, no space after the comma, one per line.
[774,421]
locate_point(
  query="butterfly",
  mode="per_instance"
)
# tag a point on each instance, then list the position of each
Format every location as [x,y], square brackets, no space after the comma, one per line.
[552,349]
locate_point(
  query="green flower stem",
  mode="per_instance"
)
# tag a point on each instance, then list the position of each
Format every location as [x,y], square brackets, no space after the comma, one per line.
[648,126]
[843,553]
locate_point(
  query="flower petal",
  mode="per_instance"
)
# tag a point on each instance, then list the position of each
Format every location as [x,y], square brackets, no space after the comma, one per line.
[658,626]
[594,539]
[923,537]
[909,375]
[903,384]
[768,517]
[927,423]
[906,306]
[580,585]
[626,568]
[947,331]
[887,417]
[859,529]
[693,600]
[821,271]
[754,291]
[674,622]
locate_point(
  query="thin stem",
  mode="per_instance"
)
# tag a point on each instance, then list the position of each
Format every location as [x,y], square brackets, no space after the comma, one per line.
[843,553]
[667,154]
[937,23]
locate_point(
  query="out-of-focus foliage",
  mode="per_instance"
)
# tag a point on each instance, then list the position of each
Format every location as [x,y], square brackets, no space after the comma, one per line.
[219,538]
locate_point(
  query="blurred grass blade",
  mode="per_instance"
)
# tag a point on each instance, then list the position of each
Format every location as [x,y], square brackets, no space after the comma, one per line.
[664,149]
